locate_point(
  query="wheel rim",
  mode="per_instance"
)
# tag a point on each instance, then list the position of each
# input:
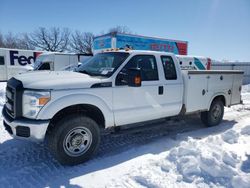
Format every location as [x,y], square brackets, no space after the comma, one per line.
[216,112]
[77,141]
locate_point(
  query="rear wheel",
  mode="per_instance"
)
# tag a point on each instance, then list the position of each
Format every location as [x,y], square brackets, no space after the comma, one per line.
[215,114]
[74,139]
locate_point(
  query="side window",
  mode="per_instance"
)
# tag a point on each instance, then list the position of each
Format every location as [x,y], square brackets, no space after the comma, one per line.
[1,60]
[44,66]
[147,64]
[169,68]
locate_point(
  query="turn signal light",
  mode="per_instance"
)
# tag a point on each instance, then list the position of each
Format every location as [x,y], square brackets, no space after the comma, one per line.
[43,101]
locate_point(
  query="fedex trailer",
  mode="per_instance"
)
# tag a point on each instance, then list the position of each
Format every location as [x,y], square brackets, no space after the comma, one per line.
[119,40]
[14,61]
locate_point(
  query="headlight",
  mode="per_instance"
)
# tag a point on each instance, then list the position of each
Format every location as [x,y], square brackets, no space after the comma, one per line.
[33,101]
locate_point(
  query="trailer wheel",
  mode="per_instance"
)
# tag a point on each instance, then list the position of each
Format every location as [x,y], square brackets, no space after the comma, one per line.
[215,114]
[74,139]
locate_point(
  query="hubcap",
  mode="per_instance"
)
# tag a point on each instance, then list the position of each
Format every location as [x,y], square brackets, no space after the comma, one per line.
[77,141]
[216,112]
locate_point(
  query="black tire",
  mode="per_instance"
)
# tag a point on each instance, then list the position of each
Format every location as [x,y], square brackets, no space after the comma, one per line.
[62,144]
[215,114]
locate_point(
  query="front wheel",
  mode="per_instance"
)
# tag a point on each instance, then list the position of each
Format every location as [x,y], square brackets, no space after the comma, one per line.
[74,139]
[215,114]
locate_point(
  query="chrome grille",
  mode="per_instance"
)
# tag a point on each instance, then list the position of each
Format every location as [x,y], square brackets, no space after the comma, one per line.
[14,92]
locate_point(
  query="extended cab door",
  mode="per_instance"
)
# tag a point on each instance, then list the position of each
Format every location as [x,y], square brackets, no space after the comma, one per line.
[172,83]
[3,67]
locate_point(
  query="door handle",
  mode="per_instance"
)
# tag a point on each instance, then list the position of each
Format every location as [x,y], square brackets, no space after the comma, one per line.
[160,90]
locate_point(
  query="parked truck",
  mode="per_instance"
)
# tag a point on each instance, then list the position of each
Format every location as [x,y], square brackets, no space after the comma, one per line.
[137,42]
[113,89]
[57,61]
[14,61]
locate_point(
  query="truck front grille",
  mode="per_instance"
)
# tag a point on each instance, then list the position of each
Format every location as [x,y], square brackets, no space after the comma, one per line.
[14,92]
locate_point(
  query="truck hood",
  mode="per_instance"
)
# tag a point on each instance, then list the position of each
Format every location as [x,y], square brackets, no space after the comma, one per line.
[56,80]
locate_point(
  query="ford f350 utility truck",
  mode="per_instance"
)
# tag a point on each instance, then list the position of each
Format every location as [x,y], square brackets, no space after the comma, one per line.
[14,61]
[112,89]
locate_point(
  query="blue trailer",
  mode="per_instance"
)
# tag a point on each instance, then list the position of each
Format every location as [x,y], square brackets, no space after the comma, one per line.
[137,42]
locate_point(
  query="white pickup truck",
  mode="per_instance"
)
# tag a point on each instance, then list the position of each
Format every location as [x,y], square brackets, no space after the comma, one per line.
[112,89]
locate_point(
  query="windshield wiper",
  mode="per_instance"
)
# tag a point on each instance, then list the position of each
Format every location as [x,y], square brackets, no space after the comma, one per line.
[91,74]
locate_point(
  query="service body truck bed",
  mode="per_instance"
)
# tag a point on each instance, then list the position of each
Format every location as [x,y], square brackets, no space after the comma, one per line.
[111,90]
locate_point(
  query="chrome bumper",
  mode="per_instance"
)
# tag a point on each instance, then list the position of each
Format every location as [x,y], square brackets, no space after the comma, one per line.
[34,130]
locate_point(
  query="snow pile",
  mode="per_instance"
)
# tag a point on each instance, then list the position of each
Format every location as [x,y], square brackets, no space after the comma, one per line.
[196,163]
[246,130]
[180,153]
[230,136]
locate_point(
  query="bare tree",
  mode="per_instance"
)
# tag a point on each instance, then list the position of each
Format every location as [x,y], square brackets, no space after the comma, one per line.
[1,41]
[18,41]
[10,40]
[82,42]
[120,29]
[53,39]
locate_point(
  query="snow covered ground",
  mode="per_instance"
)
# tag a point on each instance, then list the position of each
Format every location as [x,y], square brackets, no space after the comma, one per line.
[173,153]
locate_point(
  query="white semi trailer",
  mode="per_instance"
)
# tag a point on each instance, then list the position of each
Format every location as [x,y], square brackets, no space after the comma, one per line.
[14,61]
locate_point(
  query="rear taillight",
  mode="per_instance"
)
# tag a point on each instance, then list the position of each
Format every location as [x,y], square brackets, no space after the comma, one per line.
[208,63]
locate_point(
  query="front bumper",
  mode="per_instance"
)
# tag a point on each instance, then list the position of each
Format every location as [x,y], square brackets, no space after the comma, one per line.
[23,128]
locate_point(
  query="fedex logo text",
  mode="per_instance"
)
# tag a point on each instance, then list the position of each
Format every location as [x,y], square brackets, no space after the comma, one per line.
[22,60]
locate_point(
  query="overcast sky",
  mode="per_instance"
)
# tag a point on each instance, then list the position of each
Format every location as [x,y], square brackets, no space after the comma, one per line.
[216,28]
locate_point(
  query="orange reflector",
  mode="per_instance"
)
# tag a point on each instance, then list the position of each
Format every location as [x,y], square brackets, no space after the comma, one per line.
[137,80]
[43,100]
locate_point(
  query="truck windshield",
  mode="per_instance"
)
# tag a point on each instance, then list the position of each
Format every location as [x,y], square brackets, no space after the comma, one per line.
[103,64]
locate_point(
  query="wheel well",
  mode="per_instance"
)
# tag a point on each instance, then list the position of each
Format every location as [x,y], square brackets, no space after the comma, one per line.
[222,98]
[86,109]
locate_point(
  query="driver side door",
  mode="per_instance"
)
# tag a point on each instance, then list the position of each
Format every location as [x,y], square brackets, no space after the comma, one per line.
[136,104]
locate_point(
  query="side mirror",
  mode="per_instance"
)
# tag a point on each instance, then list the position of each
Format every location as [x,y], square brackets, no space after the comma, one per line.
[134,77]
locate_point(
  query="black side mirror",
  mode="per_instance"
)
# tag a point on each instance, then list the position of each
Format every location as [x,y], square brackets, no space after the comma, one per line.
[134,77]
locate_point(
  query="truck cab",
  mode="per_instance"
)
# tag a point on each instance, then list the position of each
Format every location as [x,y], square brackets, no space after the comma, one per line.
[56,61]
